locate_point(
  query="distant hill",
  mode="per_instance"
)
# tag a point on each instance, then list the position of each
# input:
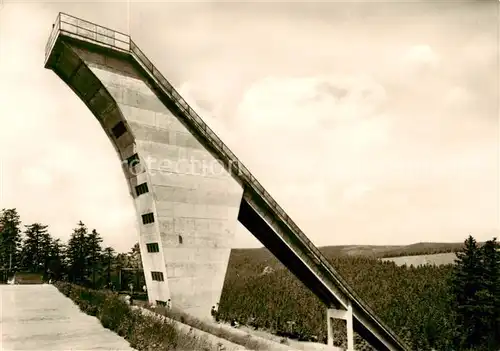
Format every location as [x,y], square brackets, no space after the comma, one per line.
[259,261]
[435,259]
[424,248]
[375,251]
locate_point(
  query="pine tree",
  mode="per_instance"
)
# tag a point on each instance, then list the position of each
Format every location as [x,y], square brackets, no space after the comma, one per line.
[491,294]
[465,285]
[10,239]
[93,251]
[77,254]
[135,256]
[46,249]
[475,291]
[36,248]
[108,258]
[55,266]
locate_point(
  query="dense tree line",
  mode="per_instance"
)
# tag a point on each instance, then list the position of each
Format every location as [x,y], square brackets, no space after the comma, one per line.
[449,307]
[82,260]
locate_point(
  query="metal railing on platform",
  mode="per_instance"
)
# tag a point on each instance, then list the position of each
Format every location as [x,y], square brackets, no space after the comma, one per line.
[66,24]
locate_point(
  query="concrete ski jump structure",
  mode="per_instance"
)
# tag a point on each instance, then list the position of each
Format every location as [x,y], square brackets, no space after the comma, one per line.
[188,188]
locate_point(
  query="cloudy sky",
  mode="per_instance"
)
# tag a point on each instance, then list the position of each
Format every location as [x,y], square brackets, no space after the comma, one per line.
[370,123]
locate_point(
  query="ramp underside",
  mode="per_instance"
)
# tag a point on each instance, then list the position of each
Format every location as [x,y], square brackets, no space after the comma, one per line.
[290,252]
[144,116]
[265,233]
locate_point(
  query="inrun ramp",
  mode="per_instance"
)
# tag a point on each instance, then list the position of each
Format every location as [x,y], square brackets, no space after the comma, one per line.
[187,216]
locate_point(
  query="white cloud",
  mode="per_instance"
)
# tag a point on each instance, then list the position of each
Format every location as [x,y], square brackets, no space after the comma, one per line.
[308,102]
[421,55]
[356,191]
[458,96]
[36,176]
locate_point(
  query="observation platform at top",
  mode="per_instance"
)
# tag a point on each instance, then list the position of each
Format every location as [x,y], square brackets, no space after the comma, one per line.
[315,270]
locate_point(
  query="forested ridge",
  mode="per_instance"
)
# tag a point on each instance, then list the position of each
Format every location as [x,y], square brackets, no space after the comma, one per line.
[449,307]
[429,307]
[411,300]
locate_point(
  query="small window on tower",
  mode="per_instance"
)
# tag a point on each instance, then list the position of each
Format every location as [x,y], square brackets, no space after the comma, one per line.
[119,129]
[153,247]
[148,218]
[141,189]
[158,276]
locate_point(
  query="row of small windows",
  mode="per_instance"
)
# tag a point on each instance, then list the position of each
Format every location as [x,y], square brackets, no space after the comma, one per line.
[158,276]
[141,189]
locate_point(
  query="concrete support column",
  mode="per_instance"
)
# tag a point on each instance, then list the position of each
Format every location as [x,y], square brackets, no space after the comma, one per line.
[344,315]
[350,329]
[329,329]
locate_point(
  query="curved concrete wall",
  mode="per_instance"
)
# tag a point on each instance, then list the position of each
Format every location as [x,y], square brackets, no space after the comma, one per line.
[194,200]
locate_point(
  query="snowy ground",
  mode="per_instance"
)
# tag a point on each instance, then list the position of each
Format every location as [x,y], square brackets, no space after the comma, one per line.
[39,317]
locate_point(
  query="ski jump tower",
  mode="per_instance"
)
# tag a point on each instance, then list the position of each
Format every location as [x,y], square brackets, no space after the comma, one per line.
[189,189]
